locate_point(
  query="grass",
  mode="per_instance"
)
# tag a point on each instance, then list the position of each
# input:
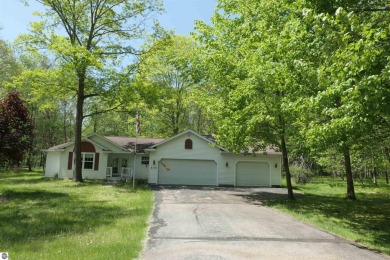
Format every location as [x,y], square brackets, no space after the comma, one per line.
[323,204]
[42,218]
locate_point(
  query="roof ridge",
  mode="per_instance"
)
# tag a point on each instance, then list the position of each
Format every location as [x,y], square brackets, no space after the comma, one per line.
[135,137]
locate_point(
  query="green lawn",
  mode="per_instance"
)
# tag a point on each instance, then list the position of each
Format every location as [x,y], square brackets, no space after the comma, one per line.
[43,218]
[323,203]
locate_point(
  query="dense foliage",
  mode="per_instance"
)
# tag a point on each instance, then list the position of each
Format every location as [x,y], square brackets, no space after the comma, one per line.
[301,75]
[309,77]
[89,40]
[166,83]
[16,130]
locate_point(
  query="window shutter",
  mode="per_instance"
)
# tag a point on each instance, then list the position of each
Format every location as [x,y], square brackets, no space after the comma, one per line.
[96,168]
[70,160]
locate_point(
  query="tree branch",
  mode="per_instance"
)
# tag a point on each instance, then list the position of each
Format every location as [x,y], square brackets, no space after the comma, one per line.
[102,111]
[368,9]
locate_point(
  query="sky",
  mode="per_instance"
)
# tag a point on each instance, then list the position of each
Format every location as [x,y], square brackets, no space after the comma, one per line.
[180,16]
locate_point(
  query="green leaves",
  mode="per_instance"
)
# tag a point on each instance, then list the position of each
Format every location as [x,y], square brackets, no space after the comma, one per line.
[349,76]
[251,56]
[167,81]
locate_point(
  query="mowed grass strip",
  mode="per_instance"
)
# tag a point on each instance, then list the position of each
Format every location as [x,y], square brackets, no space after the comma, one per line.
[323,204]
[42,218]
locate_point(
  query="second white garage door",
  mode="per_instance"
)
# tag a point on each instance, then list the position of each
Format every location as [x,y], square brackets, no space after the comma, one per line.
[252,174]
[187,172]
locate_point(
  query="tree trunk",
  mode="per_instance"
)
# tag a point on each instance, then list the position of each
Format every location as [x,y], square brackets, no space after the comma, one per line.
[64,122]
[387,153]
[374,175]
[348,171]
[77,175]
[286,167]
[29,162]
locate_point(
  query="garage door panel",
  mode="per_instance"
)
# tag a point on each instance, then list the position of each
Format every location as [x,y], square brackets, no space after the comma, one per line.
[252,174]
[187,172]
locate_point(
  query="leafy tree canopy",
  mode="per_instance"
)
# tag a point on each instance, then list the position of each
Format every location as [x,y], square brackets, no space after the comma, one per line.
[16,129]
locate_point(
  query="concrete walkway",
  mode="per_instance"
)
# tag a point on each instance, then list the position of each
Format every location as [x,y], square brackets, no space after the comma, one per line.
[220,223]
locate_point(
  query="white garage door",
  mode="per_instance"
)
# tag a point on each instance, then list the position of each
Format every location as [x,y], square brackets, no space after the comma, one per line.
[252,174]
[187,172]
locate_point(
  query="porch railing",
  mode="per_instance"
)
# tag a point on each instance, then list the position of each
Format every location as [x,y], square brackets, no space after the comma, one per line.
[109,172]
[127,173]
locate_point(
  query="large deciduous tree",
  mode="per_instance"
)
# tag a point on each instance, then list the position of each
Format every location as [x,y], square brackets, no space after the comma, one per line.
[9,66]
[259,72]
[288,71]
[89,38]
[16,129]
[352,97]
[165,82]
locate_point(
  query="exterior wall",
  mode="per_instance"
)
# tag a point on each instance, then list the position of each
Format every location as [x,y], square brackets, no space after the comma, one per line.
[202,150]
[271,159]
[141,170]
[63,171]
[174,149]
[52,168]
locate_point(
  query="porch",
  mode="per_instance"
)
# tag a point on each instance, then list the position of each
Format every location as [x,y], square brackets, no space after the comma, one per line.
[125,173]
[119,166]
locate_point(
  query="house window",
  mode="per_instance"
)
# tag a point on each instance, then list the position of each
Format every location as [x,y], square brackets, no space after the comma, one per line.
[145,160]
[188,144]
[87,160]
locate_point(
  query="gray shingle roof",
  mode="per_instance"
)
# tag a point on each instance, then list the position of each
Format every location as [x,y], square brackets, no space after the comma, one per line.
[129,142]
[59,147]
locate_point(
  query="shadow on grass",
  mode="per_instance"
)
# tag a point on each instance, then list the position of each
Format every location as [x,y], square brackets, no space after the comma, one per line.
[33,177]
[369,216]
[37,180]
[30,215]
[264,197]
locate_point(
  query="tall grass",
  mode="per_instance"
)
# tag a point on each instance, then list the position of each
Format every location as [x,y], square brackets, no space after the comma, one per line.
[323,203]
[42,218]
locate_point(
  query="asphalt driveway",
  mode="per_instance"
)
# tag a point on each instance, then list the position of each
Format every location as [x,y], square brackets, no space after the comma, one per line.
[221,223]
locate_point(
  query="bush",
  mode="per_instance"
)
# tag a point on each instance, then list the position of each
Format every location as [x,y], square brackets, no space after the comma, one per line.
[300,175]
[301,178]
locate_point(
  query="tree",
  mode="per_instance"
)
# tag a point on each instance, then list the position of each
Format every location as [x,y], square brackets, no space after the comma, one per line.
[45,87]
[98,33]
[260,67]
[16,129]
[165,83]
[352,94]
[9,66]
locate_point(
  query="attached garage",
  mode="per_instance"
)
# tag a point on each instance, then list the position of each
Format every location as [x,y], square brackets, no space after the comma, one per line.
[253,174]
[187,172]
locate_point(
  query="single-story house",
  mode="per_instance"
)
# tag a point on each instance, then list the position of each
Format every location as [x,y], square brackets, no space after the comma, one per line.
[184,159]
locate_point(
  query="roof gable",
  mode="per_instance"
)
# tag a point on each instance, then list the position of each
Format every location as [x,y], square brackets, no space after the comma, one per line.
[207,139]
[61,147]
[103,140]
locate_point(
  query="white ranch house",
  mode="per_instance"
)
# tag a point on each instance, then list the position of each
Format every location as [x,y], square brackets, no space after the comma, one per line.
[185,159]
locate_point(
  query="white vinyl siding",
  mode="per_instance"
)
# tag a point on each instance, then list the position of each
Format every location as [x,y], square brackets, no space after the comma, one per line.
[253,173]
[52,168]
[187,172]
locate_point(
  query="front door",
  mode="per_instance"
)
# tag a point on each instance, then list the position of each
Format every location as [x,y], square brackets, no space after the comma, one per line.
[117,164]
[115,167]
